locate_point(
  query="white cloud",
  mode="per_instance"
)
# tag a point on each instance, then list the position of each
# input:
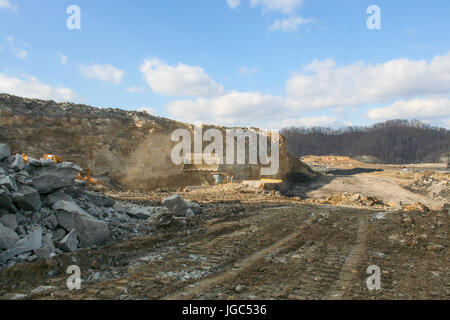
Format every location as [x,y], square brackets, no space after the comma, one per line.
[18,52]
[324,85]
[62,58]
[231,108]
[134,89]
[107,73]
[31,87]
[181,80]
[6,4]
[233,3]
[247,71]
[308,122]
[413,109]
[283,6]
[289,24]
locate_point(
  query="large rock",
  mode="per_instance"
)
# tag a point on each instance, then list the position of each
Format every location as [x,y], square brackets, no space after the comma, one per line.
[4,151]
[18,163]
[176,205]
[98,200]
[194,206]
[23,177]
[28,199]
[6,201]
[58,196]
[90,230]
[46,248]
[9,221]
[8,182]
[48,179]
[31,242]
[7,237]
[70,242]
[138,213]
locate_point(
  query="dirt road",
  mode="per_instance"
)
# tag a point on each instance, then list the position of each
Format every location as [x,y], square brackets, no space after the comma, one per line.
[270,250]
[253,244]
[368,185]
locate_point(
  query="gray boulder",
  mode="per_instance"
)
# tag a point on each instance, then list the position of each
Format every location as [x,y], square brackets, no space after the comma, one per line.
[31,242]
[60,233]
[4,151]
[8,182]
[51,222]
[7,237]
[96,199]
[90,230]
[48,178]
[176,205]
[24,177]
[58,196]
[70,242]
[28,198]
[18,163]
[194,207]
[6,201]
[138,213]
[46,248]
[9,221]
[34,162]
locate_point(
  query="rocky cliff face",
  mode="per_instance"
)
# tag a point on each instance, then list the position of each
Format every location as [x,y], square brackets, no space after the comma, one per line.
[128,148]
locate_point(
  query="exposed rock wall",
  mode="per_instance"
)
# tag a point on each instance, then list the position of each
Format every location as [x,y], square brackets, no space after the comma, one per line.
[130,148]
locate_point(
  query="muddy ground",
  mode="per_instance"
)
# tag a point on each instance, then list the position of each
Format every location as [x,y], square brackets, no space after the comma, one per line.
[255,244]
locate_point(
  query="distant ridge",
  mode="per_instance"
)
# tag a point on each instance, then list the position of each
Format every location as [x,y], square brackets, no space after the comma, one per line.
[395,141]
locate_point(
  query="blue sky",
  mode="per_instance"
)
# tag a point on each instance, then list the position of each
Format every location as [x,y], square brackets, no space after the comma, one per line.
[266,63]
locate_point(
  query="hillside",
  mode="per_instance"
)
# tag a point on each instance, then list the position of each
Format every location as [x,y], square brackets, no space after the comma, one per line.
[130,149]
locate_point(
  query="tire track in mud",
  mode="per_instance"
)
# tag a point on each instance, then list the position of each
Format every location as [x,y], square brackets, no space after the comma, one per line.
[239,267]
[229,242]
[348,273]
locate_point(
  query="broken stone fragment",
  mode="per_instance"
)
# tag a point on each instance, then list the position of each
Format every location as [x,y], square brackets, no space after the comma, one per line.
[48,179]
[176,205]
[9,221]
[46,248]
[190,213]
[58,196]
[18,163]
[194,206]
[8,182]
[24,177]
[28,198]
[60,233]
[7,237]
[98,200]
[90,230]
[70,242]
[34,162]
[4,151]
[31,242]
[6,201]
[138,213]
[51,222]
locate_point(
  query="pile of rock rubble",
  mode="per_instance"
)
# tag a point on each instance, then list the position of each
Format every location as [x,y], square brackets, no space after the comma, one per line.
[45,211]
[435,185]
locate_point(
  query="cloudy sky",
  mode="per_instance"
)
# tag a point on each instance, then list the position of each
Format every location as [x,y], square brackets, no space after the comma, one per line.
[265,63]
